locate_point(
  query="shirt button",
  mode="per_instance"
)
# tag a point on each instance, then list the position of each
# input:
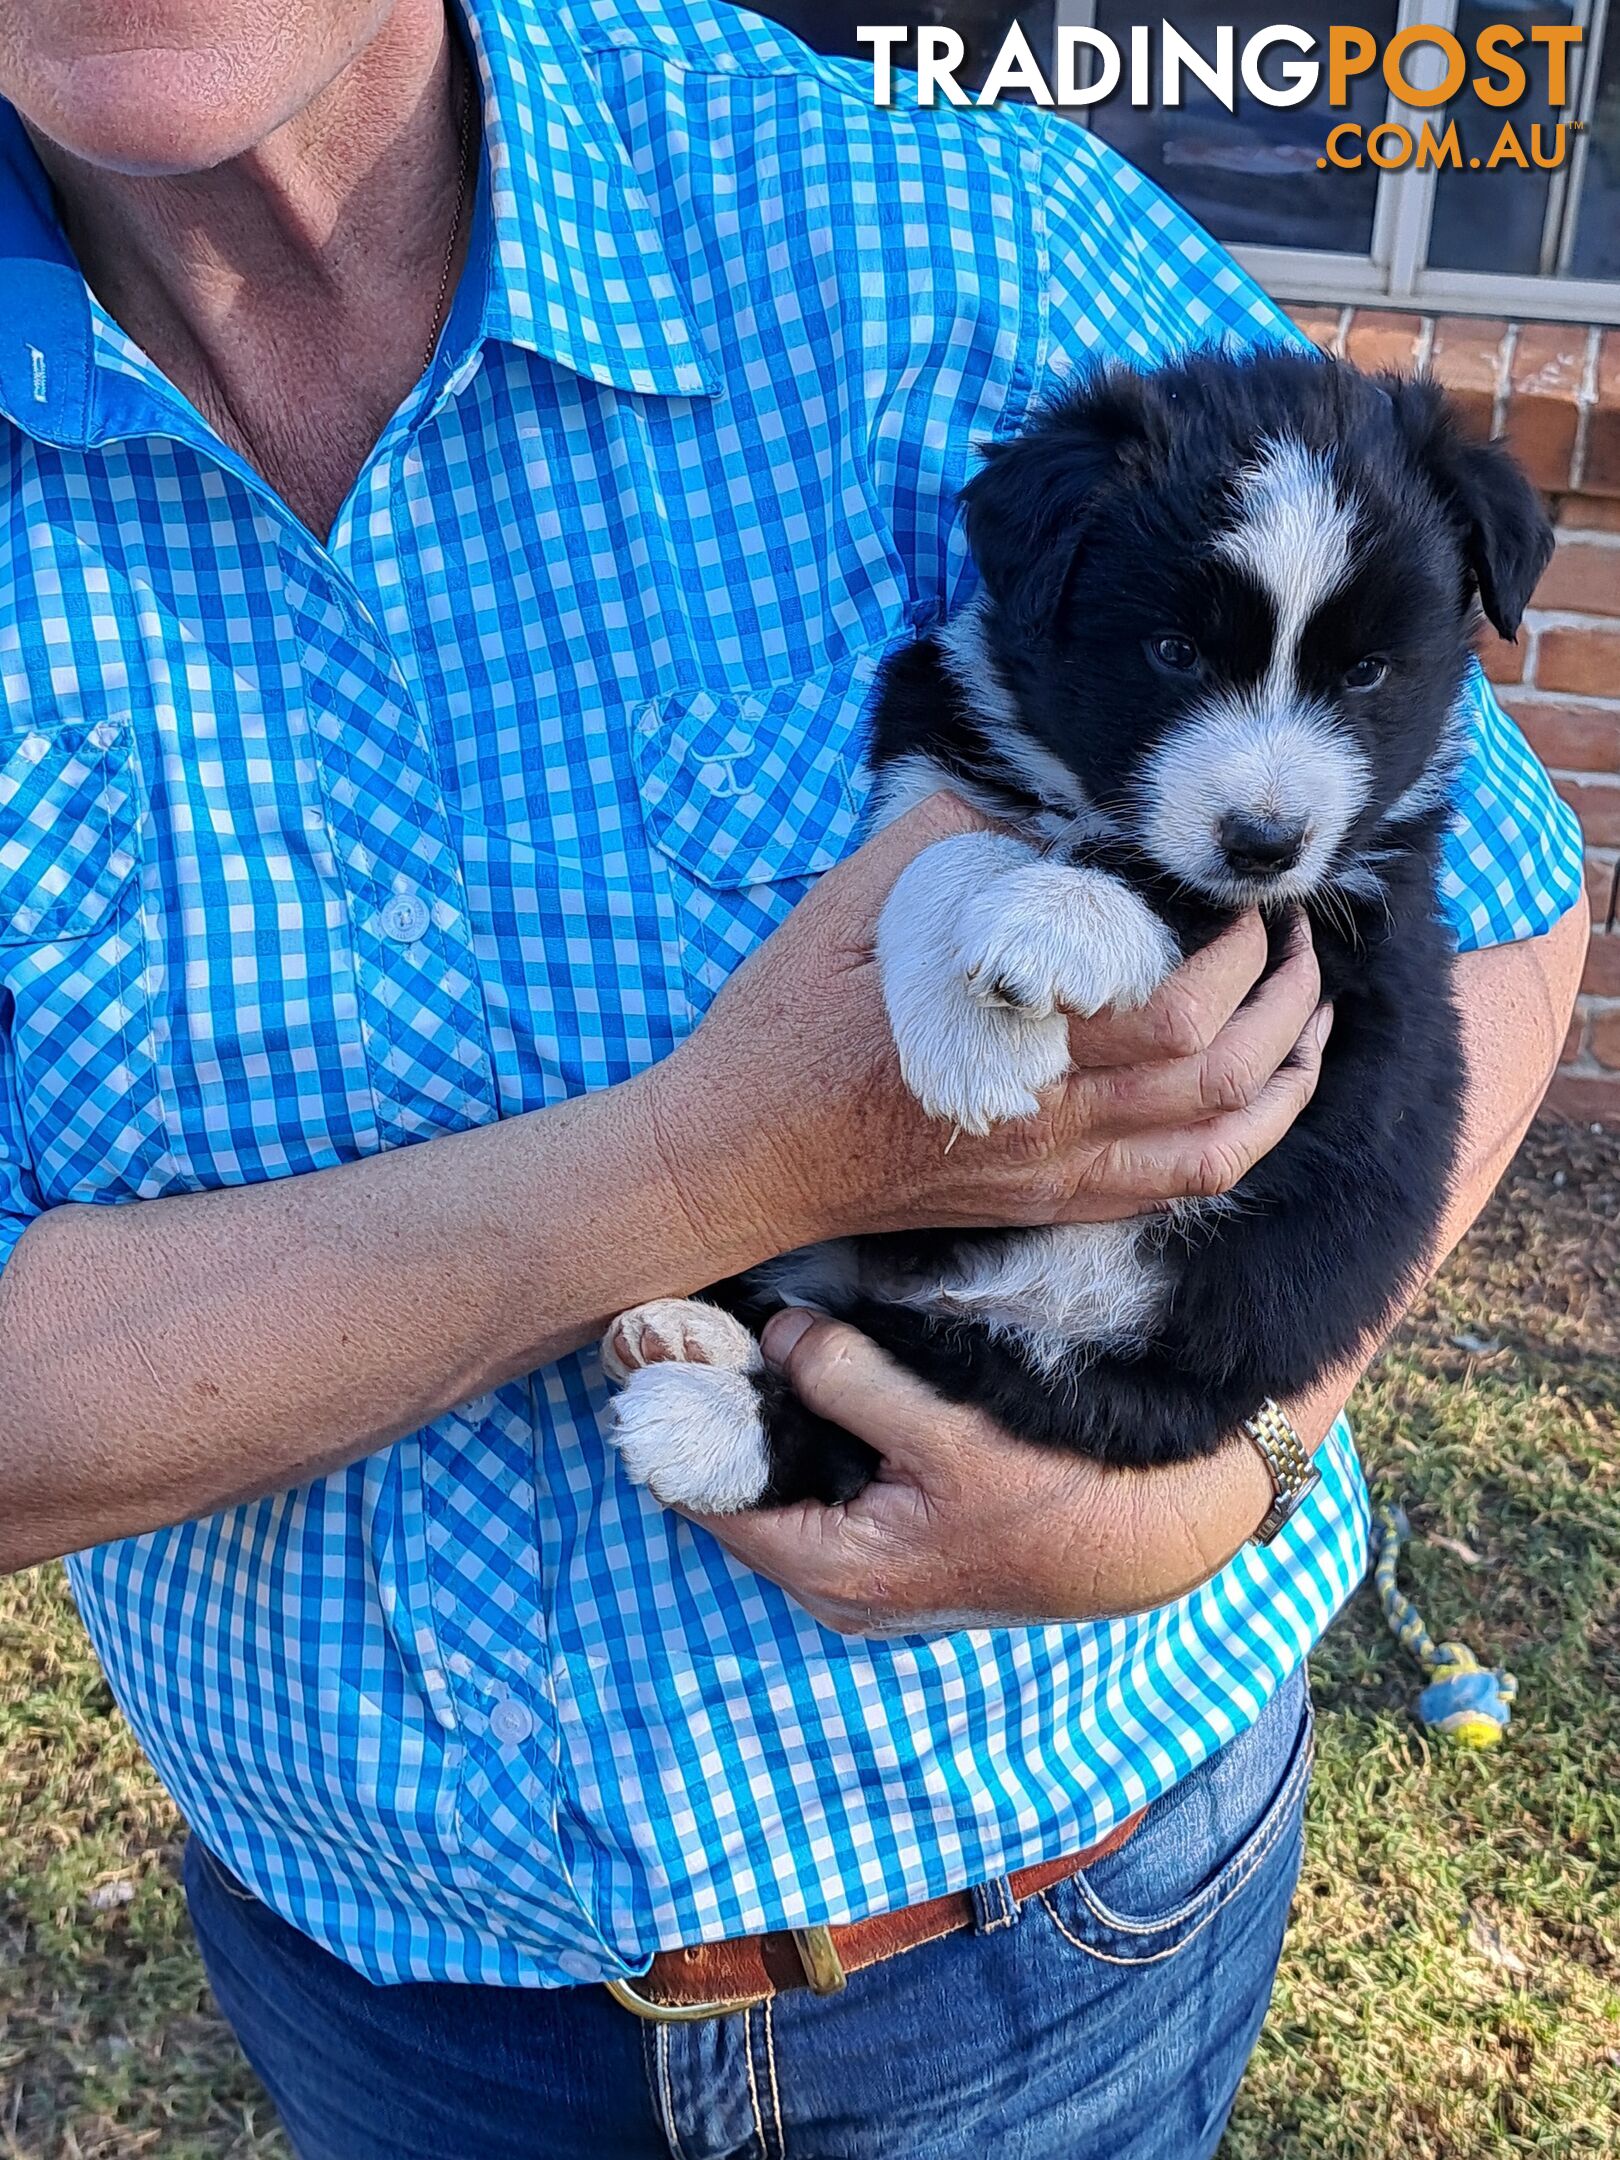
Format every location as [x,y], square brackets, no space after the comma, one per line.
[510,1722]
[405,917]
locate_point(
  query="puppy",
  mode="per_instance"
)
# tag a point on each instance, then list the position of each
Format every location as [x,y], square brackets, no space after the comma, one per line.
[1214,663]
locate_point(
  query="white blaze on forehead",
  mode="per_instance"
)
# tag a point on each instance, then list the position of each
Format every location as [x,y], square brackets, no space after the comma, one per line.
[1294,536]
[1268,751]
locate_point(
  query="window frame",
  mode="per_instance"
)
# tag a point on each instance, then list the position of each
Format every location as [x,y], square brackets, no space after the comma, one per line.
[1395,272]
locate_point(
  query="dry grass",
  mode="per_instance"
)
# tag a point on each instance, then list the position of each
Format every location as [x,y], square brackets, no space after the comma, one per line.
[1452,1985]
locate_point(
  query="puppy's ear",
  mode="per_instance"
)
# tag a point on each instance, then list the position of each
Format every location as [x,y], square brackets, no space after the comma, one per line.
[1507,541]
[1029,506]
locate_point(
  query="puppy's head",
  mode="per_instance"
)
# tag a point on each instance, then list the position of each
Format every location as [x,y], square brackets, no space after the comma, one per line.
[1228,607]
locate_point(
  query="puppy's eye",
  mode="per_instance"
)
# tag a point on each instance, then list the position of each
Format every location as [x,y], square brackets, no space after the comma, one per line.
[1366,674]
[1173,651]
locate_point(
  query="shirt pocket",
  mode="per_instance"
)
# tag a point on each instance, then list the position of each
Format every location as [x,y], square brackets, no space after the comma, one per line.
[69,823]
[748,797]
[74,979]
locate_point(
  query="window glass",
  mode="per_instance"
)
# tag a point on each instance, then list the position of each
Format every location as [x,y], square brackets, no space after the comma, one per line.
[1496,220]
[1252,176]
[1596,253]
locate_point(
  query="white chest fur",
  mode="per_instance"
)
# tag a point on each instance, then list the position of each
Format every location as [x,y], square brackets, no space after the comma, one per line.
[1051,1292]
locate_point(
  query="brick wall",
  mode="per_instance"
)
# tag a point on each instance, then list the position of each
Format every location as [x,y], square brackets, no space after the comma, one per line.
[1553,391]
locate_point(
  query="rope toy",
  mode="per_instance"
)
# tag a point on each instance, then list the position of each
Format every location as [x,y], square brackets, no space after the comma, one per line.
[1467,1701]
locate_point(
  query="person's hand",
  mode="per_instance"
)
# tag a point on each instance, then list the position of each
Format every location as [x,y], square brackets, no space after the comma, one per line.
[966,1527]
[787,1106]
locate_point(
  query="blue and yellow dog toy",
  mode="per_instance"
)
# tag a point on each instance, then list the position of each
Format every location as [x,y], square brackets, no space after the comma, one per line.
[1468,1702]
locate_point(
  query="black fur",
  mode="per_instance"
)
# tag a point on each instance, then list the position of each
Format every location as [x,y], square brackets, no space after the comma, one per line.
[1092,533]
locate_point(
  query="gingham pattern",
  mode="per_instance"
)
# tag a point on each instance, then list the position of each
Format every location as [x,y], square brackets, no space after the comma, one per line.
[307,852]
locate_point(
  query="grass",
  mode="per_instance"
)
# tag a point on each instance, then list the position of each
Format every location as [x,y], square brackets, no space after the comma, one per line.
[1451,1989]
[1452,1984]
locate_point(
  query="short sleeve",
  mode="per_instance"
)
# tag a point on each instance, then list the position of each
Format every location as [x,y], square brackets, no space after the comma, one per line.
[19,1196]
[1132,277]
[1512,863]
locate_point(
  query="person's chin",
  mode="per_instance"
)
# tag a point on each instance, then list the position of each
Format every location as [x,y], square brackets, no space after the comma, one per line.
[153,113]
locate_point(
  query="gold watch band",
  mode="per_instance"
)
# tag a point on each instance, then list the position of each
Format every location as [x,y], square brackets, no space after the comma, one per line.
[1293,1473]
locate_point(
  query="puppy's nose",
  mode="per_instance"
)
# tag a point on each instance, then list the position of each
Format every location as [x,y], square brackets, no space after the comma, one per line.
[1261,847]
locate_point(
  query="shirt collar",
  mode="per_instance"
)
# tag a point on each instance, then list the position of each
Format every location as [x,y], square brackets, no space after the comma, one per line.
[577,269]
[45,324]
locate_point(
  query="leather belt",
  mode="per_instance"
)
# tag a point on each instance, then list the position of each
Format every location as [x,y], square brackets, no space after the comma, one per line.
[720,1979]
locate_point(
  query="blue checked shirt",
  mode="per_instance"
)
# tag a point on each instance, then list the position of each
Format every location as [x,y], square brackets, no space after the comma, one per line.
[307,851]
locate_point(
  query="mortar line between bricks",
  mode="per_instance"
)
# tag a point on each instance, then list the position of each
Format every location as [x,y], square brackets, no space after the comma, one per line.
[1513,695]
[1504,378]
[1585,400]
[1541,619]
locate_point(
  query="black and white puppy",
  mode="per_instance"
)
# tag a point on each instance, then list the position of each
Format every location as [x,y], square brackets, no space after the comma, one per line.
[1214,663]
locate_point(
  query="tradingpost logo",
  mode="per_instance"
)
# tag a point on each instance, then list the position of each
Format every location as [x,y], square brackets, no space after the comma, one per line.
[1423,66]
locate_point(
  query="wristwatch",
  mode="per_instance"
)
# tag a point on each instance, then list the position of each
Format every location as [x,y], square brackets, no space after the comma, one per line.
[1293,1474]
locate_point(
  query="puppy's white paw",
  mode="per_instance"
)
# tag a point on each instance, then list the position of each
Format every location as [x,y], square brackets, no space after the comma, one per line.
[693,1435]
[974,1065]
[1047,938]
[676,1331]
[985,950]
[969,1063]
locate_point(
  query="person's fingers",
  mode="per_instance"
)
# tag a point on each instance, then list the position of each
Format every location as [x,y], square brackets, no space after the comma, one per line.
[840,1558]
[1185,1014]
[782,1331]
[1230,1073]
[804,1549]
[843,1376]
[1206,1160]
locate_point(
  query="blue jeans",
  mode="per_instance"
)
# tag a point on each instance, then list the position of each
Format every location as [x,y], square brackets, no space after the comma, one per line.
[1108,2019]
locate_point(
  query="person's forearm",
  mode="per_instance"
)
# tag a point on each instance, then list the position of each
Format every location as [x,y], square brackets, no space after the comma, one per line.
[1162,1532]
[1514,1002]
[168,1357]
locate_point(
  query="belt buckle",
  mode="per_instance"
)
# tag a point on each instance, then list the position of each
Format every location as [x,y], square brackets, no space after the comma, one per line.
[676,2013]
[823,1972]
[818,1954]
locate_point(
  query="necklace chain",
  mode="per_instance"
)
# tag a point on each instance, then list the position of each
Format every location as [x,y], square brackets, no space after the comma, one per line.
[464,144]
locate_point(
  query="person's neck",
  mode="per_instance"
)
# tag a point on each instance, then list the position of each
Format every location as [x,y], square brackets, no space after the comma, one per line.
[291,292]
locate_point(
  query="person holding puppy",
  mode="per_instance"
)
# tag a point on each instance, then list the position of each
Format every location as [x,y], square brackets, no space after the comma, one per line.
[463,473]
